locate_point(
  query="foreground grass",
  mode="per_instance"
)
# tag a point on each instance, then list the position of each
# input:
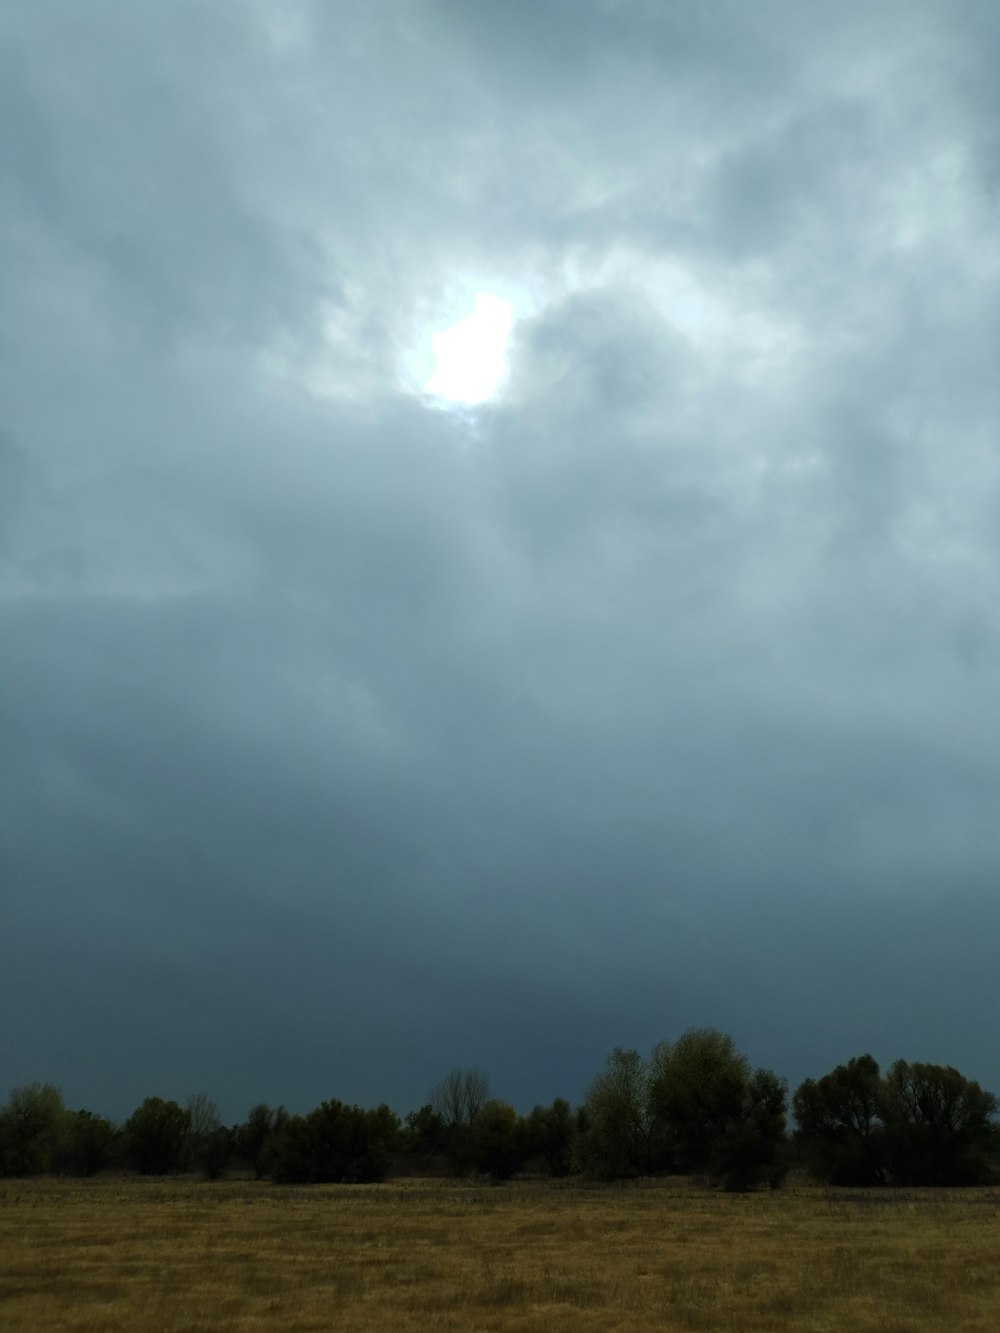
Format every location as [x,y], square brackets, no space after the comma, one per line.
[179,1255]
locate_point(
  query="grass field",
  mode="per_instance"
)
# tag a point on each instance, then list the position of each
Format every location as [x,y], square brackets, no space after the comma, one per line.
[123,1253]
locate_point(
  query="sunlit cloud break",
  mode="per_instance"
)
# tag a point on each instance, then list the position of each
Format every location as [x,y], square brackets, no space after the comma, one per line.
[471,355]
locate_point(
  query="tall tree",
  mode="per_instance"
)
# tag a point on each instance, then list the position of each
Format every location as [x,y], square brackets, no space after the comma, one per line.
[938,1125]
[713,1113]
[697,1091]
[614,1144]
[460,1095]
[457,1099]
[754,1149]
[208,1143]
[840,1127]
[33,1128]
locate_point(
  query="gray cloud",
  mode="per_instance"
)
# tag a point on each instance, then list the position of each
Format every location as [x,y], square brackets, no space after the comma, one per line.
[347,737]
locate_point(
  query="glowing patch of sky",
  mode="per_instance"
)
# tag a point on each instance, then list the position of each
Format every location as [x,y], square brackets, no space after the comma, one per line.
[470,356]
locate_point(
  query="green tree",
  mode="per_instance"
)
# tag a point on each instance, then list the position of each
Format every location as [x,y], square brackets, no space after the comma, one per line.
[613,1143]
[697,1089]
[754,1148]
[713,1113]
[156,1137]
[33,1128]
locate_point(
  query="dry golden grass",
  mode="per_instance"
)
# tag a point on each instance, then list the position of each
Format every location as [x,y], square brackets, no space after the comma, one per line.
[178,1255]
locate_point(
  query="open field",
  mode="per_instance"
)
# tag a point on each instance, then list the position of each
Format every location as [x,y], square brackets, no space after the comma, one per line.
[175,1254]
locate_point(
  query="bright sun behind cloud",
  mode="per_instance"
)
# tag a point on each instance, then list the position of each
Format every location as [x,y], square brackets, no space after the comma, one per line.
[470,357]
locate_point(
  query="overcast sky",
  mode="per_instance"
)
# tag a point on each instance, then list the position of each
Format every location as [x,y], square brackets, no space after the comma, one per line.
[349,730]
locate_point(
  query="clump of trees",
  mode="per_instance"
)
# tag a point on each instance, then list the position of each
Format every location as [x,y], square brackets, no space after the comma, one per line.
[334,1144]
[38,1135]
[488,1137]
[919,1124]
[696,1106]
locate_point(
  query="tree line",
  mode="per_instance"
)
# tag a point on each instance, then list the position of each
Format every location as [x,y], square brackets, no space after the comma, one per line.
[694,1107]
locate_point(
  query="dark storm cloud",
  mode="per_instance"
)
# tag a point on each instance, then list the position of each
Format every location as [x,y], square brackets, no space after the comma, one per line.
[346,737]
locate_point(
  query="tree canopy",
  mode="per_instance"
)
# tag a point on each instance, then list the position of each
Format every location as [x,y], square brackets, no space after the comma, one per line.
[920,1124]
